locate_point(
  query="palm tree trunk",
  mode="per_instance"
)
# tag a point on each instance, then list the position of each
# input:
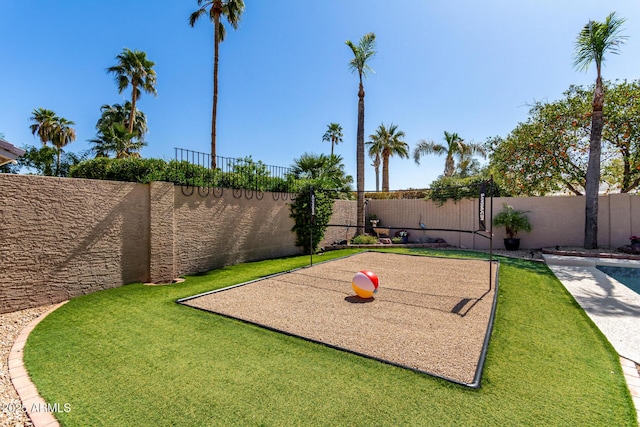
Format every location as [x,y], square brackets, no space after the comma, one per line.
[449,165]
[58,163]
[214,109]
[385,171]
[592,186]
[376,166]
[132,114]
[360,161]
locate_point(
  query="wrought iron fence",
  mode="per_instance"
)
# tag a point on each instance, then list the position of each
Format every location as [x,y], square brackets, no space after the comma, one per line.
[193,169]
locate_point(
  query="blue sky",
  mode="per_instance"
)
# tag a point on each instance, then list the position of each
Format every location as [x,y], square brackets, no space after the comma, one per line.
[459,65]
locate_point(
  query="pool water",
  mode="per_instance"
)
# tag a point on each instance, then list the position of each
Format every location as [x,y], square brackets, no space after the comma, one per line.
[630,277]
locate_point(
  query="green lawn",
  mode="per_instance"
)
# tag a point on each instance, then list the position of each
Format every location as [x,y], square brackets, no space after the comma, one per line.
[132,356]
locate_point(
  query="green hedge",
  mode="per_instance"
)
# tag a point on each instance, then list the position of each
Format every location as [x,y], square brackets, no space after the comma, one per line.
[184,173]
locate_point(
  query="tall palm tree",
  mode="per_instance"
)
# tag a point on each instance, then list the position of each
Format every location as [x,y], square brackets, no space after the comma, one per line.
[43,121]
[455,148]
[230,9]
[333,135]
[388,142]
[135,70]
[596,39]
[361,54]
[61,134]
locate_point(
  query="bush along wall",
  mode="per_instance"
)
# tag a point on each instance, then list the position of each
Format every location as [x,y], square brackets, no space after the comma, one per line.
[253,176]
[301,214]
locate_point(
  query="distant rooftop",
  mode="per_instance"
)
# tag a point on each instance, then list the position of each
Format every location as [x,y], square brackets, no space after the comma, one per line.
[9,152]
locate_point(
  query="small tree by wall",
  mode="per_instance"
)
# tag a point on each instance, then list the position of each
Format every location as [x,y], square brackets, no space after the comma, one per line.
[309,235]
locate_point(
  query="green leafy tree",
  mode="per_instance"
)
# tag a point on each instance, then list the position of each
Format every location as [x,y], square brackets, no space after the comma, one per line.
[454,147]
[594,41]
[43,122]
[544,155]
[388,142]
[333,135]
[621,133]
[550,151]
[41,161]
[216,9]
[134,70]
[457,187]
[362,53]
[309,233]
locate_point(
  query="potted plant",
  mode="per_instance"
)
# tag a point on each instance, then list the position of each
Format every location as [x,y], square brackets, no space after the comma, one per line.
[404,235]
[513,221]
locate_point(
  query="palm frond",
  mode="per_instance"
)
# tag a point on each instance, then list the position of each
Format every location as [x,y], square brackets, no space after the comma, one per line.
[596,39]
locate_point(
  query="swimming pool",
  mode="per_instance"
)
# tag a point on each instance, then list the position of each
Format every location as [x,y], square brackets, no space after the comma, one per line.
[628,276]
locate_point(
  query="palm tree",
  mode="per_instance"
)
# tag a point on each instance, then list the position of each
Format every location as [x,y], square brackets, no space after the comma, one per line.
[43,121]
[327,171]
[118,140]
[455,148]
[596,39]
[333,135]
[61,134]
[230,9]
[374,152]
[387,142]
[118,113]
[361,54]
[135,70]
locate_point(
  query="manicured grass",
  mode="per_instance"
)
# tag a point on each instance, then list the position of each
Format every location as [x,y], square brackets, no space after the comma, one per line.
[132,356]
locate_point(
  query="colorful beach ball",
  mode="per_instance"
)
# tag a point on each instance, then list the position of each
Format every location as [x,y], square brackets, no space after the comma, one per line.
[365,283]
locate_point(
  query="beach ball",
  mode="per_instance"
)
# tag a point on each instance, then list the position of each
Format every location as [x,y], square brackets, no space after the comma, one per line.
[365,283]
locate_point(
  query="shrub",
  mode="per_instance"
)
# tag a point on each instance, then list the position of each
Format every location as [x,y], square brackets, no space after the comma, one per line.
[364,239]
[300,212]
[129,170]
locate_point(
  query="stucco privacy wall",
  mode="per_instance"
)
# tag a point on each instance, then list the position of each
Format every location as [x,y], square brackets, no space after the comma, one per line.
[555,220]
[60,237]
[213,231]
[66,237]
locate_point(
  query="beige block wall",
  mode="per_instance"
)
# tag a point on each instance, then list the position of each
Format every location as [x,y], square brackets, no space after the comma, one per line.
[162,267]
[555,220]
[62,238]
[222,229]
[343,220]
[66,237]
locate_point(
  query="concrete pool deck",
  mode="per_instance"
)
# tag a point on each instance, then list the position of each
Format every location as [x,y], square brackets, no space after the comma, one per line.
[614,308]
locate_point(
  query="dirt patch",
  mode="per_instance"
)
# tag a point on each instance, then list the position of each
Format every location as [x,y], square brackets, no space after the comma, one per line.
[429,314]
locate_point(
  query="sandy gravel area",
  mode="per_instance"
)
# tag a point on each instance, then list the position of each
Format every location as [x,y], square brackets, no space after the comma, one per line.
[429,314]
